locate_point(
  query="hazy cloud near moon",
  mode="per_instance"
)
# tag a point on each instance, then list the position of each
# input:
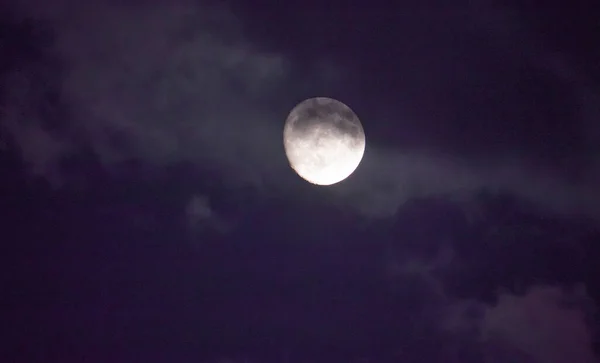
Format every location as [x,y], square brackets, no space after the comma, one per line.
[179,82]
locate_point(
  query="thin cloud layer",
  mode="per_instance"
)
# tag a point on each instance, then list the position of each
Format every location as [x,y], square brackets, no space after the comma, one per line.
[180,83]
[160,84]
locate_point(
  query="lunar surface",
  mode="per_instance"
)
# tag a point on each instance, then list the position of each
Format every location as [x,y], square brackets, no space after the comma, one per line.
[324,140]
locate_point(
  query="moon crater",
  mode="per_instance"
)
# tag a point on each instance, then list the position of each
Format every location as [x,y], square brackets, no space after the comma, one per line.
[324,140]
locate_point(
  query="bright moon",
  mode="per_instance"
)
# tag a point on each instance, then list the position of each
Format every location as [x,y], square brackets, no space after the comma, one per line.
[324,140]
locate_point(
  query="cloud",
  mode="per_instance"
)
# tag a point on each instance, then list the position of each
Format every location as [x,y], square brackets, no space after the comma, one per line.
[200,216]
[387,179]
[499,293]
[179,82]
[161,84]
[547,323]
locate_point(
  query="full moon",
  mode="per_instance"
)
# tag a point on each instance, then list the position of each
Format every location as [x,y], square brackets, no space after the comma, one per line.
[324,140]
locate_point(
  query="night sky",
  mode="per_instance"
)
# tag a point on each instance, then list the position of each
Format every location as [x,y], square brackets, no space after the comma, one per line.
[149,214]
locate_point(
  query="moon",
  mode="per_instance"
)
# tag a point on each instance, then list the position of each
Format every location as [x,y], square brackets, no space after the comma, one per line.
[324,140]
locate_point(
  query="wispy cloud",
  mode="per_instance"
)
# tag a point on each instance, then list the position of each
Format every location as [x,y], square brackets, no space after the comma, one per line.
[547,323]
[163,83]
[166,83]
[201,216]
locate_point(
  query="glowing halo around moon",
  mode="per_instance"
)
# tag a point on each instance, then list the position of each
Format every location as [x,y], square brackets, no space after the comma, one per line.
[324,140]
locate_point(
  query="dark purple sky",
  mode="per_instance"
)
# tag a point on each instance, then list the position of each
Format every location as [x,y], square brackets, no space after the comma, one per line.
[152,215]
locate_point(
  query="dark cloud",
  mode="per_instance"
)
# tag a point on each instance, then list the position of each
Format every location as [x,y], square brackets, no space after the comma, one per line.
[299,279]
[160,86]
[502,284]
[547,323]
[202,217]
